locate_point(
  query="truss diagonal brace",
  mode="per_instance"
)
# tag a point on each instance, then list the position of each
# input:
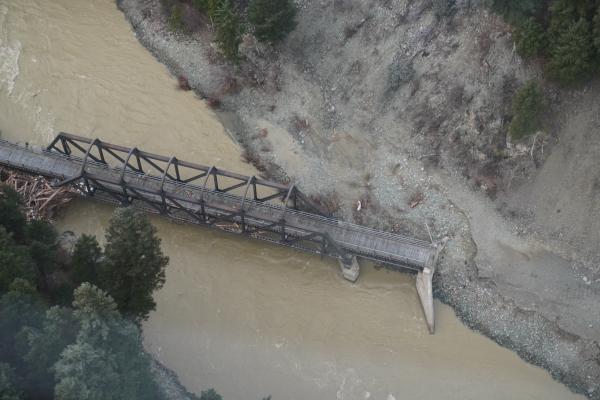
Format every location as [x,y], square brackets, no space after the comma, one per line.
[126,163]
[82,172]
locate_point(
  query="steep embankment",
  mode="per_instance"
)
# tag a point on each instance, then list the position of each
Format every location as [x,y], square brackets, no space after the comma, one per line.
[404,110]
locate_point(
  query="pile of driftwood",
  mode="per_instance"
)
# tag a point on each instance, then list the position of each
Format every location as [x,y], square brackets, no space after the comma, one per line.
[40,199]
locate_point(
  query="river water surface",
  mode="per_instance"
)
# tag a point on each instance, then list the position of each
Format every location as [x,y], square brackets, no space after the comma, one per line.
[245,318]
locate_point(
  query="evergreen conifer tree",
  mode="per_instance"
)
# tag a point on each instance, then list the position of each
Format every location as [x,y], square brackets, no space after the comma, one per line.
[41,238]
[596,32]
[9,388]
[530,38]
[107,360]
[43,349]
[86,260]
[272,19]
[134,265]
[527,108]
[21,306]
[11,216]
[229,30]
[571,53]
[15,262]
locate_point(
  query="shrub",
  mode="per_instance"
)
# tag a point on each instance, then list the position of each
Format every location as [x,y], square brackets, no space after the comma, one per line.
[571,54]
[527,108]
[517,10]
[210,394]
[400,72]
[176,18]
[207,6]
[272,19]
[229,30]
[530,38]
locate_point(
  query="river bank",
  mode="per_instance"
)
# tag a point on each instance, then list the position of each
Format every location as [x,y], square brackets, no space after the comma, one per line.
[502,282]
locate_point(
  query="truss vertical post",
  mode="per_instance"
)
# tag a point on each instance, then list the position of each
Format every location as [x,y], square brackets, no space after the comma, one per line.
[251,182]
[215,179]
[139,162]
[283,234]
[203,211]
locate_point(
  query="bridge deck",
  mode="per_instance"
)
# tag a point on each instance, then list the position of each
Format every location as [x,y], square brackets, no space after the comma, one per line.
[383,247]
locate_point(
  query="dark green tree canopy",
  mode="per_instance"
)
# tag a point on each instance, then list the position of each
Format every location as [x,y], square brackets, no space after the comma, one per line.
[272,19]
[527,111]
[44,346]
[15,262]
[86,260]
[228,30]
[210,394]
[596,31]
[572,54]
[515,10]
[208,6]
[107,360]
[9,387]
[565,33]
[41,238]
[21,306]
[134,265]
[11,216]
[530,38]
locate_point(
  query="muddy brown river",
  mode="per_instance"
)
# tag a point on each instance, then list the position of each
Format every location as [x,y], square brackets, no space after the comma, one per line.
[245,318]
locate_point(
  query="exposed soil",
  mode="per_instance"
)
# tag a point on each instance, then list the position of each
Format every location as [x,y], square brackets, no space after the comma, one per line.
[388,104]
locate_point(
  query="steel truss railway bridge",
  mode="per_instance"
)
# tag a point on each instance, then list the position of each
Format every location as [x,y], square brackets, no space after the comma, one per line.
[207,195]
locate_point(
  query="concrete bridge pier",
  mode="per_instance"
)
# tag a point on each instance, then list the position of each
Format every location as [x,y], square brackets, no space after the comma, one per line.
[425,287]
[351,270]
[425,291]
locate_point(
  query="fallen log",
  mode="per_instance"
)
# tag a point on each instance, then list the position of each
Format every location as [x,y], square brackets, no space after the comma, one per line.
[40,199]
